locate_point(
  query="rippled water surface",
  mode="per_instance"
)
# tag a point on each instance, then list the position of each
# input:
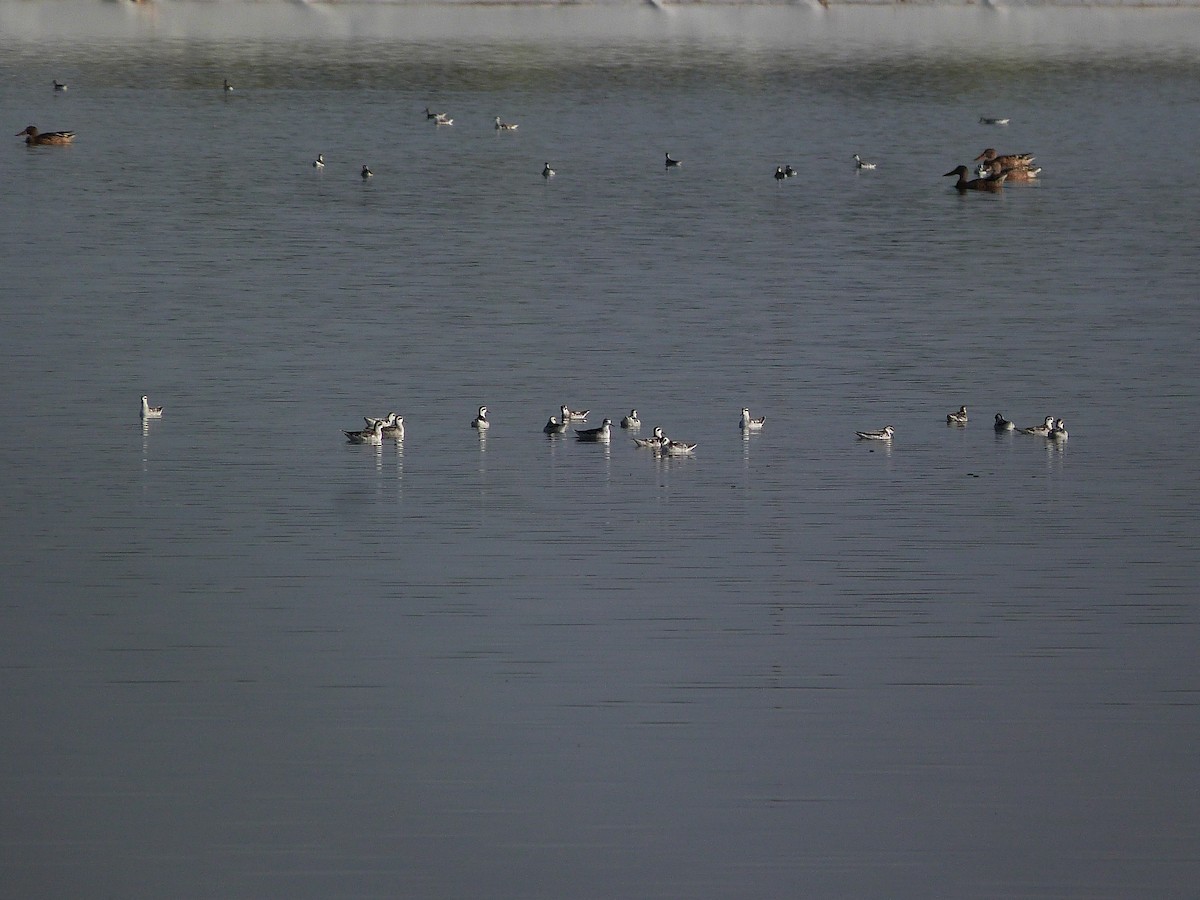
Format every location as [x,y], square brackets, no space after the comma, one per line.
[242,658]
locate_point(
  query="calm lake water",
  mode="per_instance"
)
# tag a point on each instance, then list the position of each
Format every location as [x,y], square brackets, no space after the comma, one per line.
[240,658]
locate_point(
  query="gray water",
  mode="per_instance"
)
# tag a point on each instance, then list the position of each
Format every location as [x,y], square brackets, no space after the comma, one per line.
[240,658]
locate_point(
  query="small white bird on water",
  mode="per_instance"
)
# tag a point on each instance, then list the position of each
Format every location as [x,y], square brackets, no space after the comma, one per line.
[228,88]
[555,427]
[573,415]
[957,418]
[1058,431]
[506,126]
[751,424]
[366,173]
[1042,430]
[372,434]
[596,435]
[319,162]
[59,87]
[547,172]
[1002,424]
[672,163]
[860,163]
[148,411]
[481,421]
[884,434]
[654,440]
[631,420]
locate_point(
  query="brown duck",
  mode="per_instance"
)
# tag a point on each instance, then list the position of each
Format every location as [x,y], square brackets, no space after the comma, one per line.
[36,138]
[1007,161]
[1012,173]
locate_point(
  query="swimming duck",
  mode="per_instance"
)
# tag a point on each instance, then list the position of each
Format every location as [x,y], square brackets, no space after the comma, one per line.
[506,126]
[957,418]
[555,427]
[319,162]
[573,415]
[148,411]
[884,434]
[596,435]
[481,421]
[1042,430]
[991,183]
[372,434]
[366,173]
[1012,173]
[631,420]
[671,163]
[1002,424]
[59,87]
[861,163]
[547,171]
[37,138]
[654,440]
[1008,160]
[749,424]
[1057,432]
[986,120]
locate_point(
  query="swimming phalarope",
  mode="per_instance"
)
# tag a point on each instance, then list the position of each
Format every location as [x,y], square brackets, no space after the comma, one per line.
[988,120]
[1058,432]
[481,421]
[439,118]
[860,163]
[59,87]
[319,162]
[370,435]
[148,411]
[506,126]
[957,418]
[779,173]
[675,448]
[631,420]
[389,419]
[1002,424]
[654,440]
[443,120]
[227,87]
[597,435]
[366,173]
[884,434]
[1042,430]
[555,427]
[394,430]
[672,163]
[573,415]
[749,424]
[788,171]
[547,172]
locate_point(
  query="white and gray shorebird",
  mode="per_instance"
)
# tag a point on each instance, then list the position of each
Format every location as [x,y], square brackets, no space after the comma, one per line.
[748,423]
[883,434]
[372,434]
[319,162]
[366,172]
[547,172]
[481,420]
[1002,424]
[599,435]
[506,126]
[227,87]
[573,415]
[1058,431]
[672,163]
[1041,430]
[389,419]
[59,87]
[555,427]
[439,118]
[394,430]
[957,418]
[148,411]
[779,173]
[654,440]
[988,120]
[675,448]
[631,420]
[860,163]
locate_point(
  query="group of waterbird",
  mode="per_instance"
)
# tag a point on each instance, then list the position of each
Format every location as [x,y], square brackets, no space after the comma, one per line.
[993,171]
[1052,428]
